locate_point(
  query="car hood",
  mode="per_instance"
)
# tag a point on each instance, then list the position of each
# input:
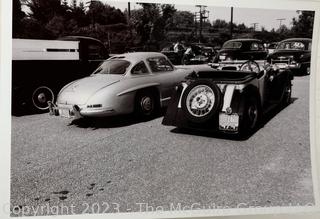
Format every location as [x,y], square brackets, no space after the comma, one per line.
[78,92]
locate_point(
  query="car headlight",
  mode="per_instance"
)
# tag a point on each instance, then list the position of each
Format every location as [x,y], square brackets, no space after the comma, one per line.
[250,66]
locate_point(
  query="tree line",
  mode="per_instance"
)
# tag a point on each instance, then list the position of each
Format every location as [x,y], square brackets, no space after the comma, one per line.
[149,27]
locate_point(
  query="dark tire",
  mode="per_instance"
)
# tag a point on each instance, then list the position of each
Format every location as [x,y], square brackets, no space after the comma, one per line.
[251,115]
[286,94]
[146,104]
[40,97]
[201,100]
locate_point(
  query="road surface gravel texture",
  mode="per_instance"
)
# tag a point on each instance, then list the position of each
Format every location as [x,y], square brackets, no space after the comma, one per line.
[124,165]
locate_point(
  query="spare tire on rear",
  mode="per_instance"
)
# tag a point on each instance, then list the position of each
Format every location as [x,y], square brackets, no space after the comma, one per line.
[201,100]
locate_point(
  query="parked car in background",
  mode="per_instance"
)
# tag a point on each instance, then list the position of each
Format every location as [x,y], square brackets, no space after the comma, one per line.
[174,52]
[271,47]
[230,101]
[40,68]
[140,82]
[198,54]
[294,52]
[241,49]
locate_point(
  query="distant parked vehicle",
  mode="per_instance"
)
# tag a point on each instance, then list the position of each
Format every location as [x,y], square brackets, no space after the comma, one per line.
[199,54]
[294,52]
[139,82]
[40,68]
[241,49]
[174,55]
[272,47]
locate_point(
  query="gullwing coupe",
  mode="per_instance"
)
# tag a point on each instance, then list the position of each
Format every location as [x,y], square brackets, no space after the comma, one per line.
[140,82]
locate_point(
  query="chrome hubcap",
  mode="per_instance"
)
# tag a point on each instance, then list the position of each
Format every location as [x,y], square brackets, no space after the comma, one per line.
[41,96]
[146,104]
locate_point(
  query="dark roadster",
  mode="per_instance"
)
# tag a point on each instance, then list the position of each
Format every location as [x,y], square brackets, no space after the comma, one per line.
[231,99]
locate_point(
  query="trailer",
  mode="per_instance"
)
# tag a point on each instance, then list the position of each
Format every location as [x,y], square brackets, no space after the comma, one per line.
[40,68]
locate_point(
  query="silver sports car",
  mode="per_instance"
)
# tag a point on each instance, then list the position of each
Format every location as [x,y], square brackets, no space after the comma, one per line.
[139,82]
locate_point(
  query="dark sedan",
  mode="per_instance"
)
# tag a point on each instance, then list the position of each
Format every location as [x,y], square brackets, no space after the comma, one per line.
[295,52]
[241,49]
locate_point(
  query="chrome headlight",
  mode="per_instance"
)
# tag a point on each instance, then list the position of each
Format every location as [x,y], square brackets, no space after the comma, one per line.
[250,66]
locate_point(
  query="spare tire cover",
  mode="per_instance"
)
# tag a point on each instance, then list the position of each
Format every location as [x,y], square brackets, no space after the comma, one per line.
[201,100]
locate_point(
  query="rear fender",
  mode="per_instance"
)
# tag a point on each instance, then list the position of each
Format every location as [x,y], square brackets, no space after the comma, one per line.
[138,87]
[238,101]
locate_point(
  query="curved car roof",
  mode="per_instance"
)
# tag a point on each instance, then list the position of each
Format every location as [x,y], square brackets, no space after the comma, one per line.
[137,56]
[245,40]
[71,38]
[297,39]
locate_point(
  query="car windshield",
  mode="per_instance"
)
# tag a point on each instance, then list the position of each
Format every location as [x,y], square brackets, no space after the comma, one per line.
[117,67]
[232,45]
[292,45]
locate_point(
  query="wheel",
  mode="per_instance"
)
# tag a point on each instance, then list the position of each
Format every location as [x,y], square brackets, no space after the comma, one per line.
[286,94]
[250,116]
[201,100]
[146,104]
[40,98]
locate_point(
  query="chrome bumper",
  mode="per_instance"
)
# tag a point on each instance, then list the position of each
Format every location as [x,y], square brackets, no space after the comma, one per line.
[73,112]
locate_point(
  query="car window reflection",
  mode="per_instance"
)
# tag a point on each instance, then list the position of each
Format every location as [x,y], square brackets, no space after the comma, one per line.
[118,67]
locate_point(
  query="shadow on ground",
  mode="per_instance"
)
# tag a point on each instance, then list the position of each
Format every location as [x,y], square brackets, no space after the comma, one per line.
[114,121]
[266,118]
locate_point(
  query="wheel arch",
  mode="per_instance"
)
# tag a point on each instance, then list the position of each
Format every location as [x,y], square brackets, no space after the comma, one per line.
[250,90]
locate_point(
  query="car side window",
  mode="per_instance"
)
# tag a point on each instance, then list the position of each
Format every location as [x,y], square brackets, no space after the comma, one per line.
[257,47]
[139,68]
[160,64]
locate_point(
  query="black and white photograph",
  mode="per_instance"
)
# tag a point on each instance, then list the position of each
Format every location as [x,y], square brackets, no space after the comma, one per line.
[145,107]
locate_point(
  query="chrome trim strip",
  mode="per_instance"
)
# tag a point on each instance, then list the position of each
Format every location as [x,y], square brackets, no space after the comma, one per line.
[228,96]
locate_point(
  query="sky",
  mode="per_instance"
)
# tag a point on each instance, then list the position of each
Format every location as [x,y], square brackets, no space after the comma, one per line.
[266,18]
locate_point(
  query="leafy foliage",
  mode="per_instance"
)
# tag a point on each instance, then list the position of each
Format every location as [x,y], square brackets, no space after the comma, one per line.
[149,28]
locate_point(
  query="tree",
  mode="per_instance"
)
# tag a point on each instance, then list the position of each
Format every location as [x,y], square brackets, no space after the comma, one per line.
[303,26]
[78,14]
[182,19]
[220,24]
[104,14]
[143,20]
[44,10]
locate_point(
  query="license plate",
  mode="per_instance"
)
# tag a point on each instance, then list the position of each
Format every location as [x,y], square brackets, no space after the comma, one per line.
[222,57]
[65,113]
[282,65]
[228,122]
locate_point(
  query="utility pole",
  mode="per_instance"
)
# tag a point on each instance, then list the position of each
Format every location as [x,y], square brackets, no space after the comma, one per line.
[203,15]
[231,23]
[254,26]
[129,11]
[280,21]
